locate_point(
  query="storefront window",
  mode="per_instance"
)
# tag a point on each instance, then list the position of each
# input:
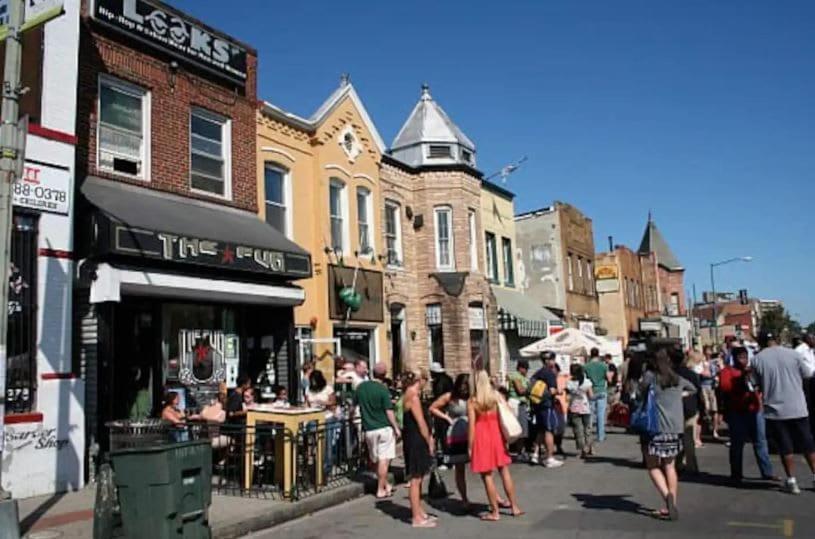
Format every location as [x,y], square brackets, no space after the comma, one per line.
[435,335]
[478,336]
[356,343]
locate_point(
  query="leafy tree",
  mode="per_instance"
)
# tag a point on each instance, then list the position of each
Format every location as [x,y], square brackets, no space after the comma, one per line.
[779,323]
[811,328]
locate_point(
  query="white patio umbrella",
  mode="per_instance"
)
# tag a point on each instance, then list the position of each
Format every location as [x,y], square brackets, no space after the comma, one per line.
[570,341]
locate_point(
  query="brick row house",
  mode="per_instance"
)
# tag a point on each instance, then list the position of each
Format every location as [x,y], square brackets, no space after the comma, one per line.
[180,284]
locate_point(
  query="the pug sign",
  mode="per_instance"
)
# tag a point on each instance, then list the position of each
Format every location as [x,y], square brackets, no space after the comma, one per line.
[43,187]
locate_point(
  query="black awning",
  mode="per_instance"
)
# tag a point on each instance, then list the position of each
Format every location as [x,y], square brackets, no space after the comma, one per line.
[138,222]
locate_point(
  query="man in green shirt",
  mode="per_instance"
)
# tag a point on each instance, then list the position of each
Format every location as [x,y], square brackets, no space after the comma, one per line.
[519,389]
[597,371]
[379,425]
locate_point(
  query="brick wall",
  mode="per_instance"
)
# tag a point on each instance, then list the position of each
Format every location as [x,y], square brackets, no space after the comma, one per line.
[172,94]
[672,282]
[412,285]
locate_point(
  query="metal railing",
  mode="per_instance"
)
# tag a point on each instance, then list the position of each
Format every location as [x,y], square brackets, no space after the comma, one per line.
[343,451]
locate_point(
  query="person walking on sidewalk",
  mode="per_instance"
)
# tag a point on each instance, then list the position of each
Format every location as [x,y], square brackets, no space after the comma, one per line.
[548,420]
[744,415]
[661,449]
[781,373]
[487,445]
[690,410]
[519,390]
[579,389]
[418,449]
[379,425]
[451,409]
[597,372]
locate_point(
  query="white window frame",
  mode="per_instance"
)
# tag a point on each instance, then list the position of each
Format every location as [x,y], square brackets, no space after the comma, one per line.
[491,252]
[346,235]
[391,205]
[226,150]
[507,261]
[369,210]
[438,210]
[473,230]
[135,91]
[287,194]
[570,265]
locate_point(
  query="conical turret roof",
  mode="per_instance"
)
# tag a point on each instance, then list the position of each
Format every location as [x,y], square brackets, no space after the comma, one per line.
[653,242]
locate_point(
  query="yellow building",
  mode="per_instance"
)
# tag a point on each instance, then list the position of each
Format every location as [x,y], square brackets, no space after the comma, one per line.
[318,182]
[521,320]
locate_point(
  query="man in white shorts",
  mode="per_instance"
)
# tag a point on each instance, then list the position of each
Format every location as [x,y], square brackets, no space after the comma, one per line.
[379,425]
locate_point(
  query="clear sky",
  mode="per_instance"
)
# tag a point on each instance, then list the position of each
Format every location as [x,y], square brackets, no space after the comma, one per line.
[702,111]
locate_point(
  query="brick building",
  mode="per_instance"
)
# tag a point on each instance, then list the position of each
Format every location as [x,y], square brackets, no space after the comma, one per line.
[670,273]
[557,255]
[182,286]
[438,300]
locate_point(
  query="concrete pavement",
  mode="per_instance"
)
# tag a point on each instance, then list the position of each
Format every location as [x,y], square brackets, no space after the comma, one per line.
[609,496]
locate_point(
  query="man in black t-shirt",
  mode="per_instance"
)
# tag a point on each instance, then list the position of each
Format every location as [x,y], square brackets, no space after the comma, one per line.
[234,403]
[547,419]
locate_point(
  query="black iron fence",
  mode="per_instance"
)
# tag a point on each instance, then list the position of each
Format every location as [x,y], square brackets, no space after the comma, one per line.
[263,461]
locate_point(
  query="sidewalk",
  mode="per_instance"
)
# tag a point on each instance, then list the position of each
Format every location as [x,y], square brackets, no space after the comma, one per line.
[70,515]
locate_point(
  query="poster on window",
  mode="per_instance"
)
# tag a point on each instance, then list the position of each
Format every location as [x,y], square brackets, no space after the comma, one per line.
[43,187]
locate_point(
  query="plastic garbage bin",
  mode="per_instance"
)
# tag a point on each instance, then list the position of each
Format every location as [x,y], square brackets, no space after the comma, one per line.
[165,491]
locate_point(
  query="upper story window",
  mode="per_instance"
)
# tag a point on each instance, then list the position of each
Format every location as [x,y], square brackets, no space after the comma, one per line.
[124,128]
[439,151]
[393,233]
[210,151]
[580,284]
[466,156]
[570,270]
[444,238]
[473,233]
[278,197]
[338,210]
[364,220]
[492,256]
[590,275]
[509,270]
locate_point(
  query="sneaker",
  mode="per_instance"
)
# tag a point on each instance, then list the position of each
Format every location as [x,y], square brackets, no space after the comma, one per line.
[533,459]
[553,463]
[443,468]
[791,486]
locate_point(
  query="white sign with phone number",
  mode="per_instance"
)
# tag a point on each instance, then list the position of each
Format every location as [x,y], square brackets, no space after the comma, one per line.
[43,187]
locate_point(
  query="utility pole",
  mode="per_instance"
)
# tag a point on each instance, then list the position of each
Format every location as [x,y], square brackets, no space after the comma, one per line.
[9,163]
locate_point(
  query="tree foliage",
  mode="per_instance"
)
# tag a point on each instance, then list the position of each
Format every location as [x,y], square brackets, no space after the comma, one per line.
[780,323]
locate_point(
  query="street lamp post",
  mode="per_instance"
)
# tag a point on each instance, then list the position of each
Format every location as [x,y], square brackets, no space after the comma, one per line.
[713,289]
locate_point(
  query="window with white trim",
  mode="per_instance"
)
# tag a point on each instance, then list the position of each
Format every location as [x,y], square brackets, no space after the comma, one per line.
[337,210]
[123,134]
[445,255]
[364,220]
[570,265]
[393,233]
[435,334]
[492,256]
[473,232]
[278,198]
[439,151]
[210,151]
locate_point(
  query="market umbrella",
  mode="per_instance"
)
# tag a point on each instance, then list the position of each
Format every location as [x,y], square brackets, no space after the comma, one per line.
[570,341]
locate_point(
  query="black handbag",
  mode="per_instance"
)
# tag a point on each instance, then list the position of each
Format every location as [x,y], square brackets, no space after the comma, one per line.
[437,488]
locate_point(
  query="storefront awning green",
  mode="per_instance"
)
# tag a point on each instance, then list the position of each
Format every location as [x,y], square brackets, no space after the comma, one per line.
[518,312]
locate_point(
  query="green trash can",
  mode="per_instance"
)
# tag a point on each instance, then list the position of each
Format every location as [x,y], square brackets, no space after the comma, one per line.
[165,490]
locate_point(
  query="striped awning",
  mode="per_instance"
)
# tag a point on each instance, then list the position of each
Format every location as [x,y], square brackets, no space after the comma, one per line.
[516,312]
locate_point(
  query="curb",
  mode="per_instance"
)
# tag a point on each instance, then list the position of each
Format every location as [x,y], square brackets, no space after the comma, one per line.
[280,514]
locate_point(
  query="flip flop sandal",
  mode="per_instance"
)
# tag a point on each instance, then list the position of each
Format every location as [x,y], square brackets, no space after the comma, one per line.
[428,523]
[673,512]
[488,517]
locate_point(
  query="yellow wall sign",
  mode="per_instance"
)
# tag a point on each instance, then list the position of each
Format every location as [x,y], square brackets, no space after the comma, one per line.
[605,272]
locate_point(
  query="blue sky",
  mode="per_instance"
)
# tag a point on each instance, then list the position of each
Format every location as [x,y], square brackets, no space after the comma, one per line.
[701,111]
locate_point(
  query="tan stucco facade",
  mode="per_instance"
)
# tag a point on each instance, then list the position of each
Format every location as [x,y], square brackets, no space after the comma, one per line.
[498,219]
[313,154]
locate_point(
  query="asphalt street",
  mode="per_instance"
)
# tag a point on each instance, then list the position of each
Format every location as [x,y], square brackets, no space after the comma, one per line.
[609,496]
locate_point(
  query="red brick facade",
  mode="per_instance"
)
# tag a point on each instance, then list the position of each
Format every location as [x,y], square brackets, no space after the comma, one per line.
[672,283]
[173,92]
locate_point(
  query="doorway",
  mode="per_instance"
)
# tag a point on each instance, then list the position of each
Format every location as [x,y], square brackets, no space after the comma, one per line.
[397,337]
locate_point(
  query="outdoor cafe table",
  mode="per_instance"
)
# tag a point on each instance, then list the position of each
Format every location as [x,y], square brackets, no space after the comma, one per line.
[290,419]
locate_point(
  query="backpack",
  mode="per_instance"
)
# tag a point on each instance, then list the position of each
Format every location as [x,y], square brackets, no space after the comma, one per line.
[539,392]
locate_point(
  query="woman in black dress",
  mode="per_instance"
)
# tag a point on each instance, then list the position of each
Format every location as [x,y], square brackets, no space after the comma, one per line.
[418,448]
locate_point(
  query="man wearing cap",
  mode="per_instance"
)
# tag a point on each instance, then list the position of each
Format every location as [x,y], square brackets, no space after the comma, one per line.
[547,419]
[781,373]
[379,425]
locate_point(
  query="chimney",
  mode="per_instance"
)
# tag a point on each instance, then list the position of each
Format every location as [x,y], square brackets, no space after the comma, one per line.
[610,244]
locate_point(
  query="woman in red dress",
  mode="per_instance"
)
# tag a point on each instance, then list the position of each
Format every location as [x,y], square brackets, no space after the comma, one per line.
[488,450]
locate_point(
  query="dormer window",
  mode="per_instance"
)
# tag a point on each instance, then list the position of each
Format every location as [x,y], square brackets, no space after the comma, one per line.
[439,151]
[466,156]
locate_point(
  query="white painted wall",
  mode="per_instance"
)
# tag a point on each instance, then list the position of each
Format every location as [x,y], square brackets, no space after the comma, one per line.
[48,456]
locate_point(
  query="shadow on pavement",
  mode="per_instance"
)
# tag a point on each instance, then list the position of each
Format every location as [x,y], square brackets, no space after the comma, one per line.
[612,502]
[704,478]
[396,512]
[616,461]
[457,508]
[28,522]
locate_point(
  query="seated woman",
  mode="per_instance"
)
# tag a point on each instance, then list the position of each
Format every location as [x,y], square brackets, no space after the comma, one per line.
[174,416]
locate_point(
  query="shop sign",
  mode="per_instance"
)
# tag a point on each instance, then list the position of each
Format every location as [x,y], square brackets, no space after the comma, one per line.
[477,320]
[586,327]
[174,248]
[167,29]
[33,438]
[43,187]
[605,272]
[651,325]
[202,353]
[607,285]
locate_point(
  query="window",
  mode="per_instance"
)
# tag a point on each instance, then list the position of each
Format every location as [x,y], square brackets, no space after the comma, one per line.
[439,151]
[492,257]
[590,274]
[473,231]
[278,196]
[209,153]
[479,349]
[466,156]
[445,256]
[570,271]
[364,213]
[337,207]
[674,308]
[509,270]
[123,133]
[435,335]
[393,233]
[580,284]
